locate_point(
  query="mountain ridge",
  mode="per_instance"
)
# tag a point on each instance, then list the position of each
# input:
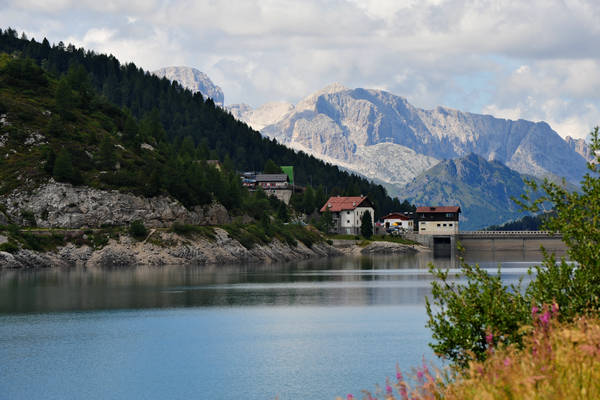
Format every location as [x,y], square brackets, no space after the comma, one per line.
[338,123]
[483,189]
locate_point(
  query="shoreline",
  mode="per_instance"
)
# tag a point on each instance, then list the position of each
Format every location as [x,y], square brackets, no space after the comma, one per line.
[161,248]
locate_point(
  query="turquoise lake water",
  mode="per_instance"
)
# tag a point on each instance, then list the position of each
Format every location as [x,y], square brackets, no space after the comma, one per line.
[311,330]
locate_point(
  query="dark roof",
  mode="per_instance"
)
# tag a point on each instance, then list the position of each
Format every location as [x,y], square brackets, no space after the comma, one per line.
[338,203]
[271,178]
[439,210]
[397,216]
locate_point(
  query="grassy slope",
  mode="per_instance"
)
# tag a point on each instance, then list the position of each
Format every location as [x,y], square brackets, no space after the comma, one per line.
[30,109]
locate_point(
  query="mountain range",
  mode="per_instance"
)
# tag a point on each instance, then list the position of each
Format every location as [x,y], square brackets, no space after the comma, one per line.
[413,151]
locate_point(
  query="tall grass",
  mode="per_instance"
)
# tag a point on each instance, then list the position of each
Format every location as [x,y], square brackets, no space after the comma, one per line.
[557,361]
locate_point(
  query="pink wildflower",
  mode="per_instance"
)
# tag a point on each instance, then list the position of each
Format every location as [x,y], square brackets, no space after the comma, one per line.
[399,376]
[350,397]
[554,308]
[506,362]
[420,375]
[534,311]
[488,338]
[403,392]
[388,389]
[545,317]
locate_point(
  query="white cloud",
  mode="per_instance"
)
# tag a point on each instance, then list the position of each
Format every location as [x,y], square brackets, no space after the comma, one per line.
[531,59]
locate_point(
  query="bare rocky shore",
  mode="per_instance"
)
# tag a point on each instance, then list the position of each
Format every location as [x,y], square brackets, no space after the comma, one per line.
[166,248]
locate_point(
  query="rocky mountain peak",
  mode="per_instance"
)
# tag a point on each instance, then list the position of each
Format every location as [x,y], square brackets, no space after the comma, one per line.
[337,123]
[194,80]
[580,146]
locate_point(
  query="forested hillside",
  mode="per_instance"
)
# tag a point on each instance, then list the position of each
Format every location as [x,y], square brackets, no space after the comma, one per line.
[137,107]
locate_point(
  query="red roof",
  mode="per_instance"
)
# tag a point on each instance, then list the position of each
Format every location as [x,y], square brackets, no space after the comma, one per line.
[338,203]
[397,216]
[440,210]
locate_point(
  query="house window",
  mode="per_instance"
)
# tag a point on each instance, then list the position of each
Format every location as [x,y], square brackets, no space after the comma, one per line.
[449,224]
[422,229]
[444,224]
[438,225]
[348,221]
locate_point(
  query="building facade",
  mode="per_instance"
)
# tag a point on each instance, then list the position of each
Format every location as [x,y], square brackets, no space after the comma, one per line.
[347,213]
[438,220]
[398,221]
[277,185]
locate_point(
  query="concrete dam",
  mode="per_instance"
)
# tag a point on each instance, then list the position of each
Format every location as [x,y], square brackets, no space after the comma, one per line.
[492,242]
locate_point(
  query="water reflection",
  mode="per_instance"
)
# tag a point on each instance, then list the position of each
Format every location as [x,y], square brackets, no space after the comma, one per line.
[383,280]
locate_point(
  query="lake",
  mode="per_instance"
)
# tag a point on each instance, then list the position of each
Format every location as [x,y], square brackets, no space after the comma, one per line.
[309,330]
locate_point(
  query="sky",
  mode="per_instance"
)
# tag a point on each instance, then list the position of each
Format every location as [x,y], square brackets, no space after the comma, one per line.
[532,59]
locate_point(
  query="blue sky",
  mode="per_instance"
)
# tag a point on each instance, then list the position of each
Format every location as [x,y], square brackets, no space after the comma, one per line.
[536,60]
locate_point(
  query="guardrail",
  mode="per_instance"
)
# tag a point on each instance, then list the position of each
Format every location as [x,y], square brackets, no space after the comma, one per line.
[508,233]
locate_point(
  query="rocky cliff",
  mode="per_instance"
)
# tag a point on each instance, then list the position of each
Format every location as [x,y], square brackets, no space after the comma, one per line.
[79,211]
[165,248]
[193,79]
[62,205]
[580,146]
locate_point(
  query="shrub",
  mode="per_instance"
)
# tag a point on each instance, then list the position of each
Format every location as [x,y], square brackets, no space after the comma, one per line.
[9,247]
[138,230]
[461,314]
[28,217]
[465,313]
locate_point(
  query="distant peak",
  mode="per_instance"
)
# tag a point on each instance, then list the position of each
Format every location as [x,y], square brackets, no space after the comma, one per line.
[332,88]
[192,79]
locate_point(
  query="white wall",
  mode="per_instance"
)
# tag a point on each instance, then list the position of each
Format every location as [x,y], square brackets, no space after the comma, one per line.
[350,221]
[438,227]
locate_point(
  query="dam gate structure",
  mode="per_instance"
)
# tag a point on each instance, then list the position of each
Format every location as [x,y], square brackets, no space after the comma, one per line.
[474,242]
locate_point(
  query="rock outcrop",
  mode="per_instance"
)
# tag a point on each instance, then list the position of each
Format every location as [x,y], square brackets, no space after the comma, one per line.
[581,147]
[62,205]
[166,248]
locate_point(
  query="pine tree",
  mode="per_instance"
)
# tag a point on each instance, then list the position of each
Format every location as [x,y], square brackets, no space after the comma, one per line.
[308,201]
[64,99]
[282,212]
[63,167]
[271,167]
[107,155]
[366,225]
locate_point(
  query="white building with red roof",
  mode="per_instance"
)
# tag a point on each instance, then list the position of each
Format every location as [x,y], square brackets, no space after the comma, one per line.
[396,220]
[347,213]
[438,220]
